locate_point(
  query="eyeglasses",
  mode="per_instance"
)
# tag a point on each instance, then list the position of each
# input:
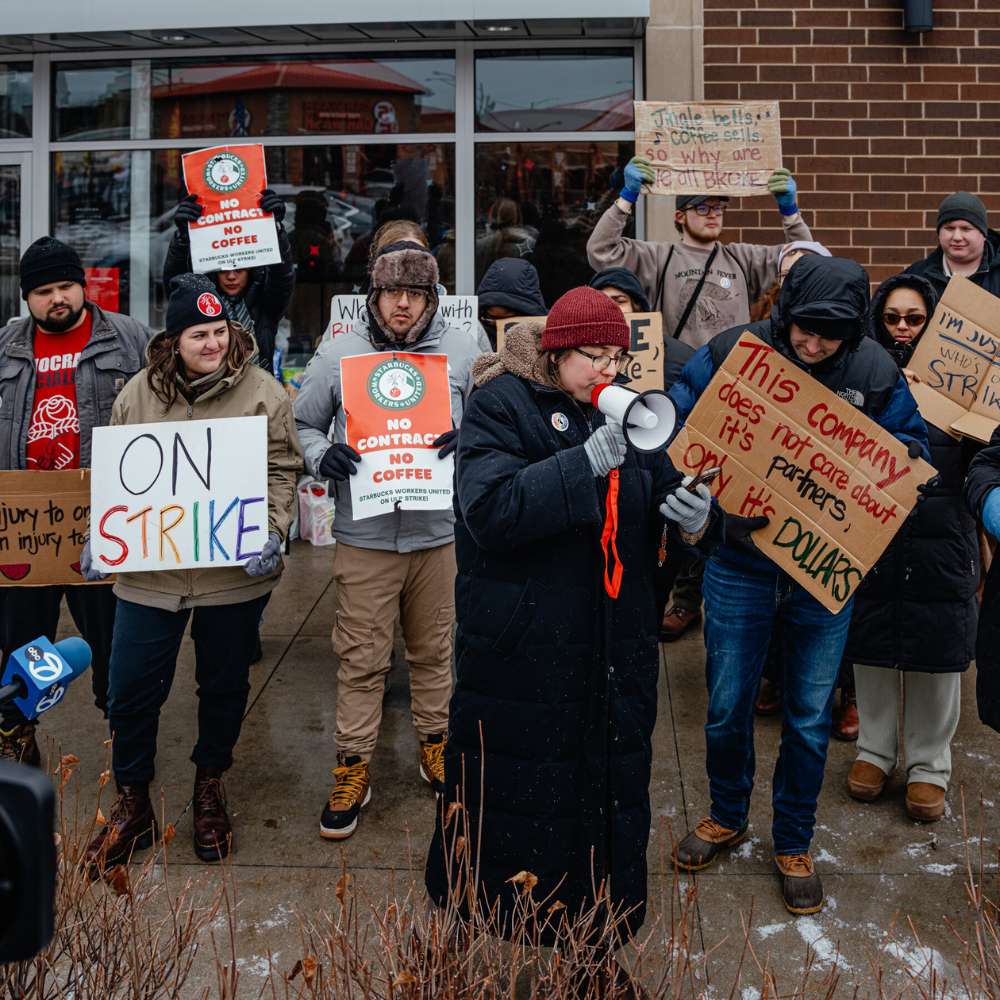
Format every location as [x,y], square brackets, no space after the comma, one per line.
[602,362]
[912,320]
[395,294]
[705,209]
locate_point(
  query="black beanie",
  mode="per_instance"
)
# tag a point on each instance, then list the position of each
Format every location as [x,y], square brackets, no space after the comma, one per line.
[47,261]
[964,207]
[625,281]
[194,299]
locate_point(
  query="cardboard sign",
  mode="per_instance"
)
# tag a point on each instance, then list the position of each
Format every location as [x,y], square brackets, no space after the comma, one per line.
[184,494]
[460,310]
[958,356]
[835,485]
[233,231]
[43,525]
[397,405]
[709,147]
[647,350]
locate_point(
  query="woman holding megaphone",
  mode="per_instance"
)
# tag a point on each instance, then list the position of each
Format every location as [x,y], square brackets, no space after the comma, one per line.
[558,528]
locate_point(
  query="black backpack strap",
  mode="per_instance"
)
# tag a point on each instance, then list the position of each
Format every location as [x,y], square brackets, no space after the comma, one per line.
[694,295]
[658,294]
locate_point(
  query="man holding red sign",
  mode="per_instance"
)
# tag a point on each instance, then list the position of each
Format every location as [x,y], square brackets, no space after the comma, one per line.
[400,562]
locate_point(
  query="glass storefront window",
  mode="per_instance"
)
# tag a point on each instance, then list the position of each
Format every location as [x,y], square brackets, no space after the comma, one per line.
[346,95]
[558,90]
[10,242]
[116,208]
[541,201]
[15,101]
[92,101]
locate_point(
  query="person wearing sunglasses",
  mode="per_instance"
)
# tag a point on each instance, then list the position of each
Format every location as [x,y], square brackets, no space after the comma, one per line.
[913,629]
[558,524]
[966,246]
[701,284]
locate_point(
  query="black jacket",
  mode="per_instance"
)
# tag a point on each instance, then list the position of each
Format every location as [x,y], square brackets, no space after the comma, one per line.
[559,679]
[988,275]
[984,476]
[916,609]
[268,293]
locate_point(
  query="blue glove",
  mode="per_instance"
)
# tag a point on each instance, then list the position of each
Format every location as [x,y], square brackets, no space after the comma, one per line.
[87,570]
[991,513]
[782,185]
[637,172]
[269,559]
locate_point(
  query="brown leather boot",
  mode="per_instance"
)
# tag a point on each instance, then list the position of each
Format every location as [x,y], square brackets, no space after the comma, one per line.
[213,833]
[801,888]
[866,782]
[132,827]
[924,801]
[676,622]
[846,723]
[701,846]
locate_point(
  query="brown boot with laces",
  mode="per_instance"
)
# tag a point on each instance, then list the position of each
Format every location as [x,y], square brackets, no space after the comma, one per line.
[213,833]
[132,827]
[701,846]
[801,888]
[432,761]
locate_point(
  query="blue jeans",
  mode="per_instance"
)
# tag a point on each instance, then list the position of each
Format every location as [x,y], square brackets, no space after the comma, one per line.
[742,608]
[143,660]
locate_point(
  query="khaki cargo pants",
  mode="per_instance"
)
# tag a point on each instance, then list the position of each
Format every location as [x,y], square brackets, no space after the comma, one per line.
[373,588]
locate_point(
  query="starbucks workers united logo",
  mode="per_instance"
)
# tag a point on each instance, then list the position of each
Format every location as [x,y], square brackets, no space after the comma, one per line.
[396,385]
[225,172]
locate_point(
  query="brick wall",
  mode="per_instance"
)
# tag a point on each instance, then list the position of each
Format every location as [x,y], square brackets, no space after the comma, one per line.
[877,125]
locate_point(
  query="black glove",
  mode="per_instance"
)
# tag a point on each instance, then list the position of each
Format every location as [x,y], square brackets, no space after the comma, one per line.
[739,529]
[186,212]
[447,442]
[924,489]
[273,203]
[913,450]
[338,463]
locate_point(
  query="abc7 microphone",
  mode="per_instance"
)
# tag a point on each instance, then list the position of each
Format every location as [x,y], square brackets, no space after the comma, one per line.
[35,680]
[38,674]
[648,418]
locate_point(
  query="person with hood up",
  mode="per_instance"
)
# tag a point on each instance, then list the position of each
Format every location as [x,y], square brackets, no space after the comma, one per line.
[966,246]
[400,564]
[200,367]
[255,298]
[509,288]
[701,285]
[555,699]
[913,630]
[819,326]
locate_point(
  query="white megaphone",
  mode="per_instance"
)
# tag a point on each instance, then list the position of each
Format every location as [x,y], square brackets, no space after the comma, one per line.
[648,417]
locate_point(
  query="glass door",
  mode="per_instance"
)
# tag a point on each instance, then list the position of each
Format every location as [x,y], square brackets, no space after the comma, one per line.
[15,201]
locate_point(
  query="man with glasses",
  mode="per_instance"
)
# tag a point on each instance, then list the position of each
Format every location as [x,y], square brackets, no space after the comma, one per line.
[966,246]
[701,285]
[400,564]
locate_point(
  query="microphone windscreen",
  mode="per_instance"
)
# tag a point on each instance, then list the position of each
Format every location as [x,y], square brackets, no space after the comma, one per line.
[76,653]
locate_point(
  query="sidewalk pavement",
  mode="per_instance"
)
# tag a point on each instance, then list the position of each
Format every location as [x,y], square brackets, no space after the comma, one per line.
[878,866]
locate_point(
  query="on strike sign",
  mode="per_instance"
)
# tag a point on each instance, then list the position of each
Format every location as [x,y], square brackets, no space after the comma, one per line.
[835,485]
[396,406]
[233,231]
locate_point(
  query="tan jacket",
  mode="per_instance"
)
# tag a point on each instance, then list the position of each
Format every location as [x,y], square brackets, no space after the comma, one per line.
[249,392]
[669,274]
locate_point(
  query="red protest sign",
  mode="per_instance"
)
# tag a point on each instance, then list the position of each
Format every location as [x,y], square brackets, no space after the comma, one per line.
[397,405]
[233,231]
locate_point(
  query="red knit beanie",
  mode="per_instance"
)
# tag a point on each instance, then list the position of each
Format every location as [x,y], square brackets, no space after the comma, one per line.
[582,317]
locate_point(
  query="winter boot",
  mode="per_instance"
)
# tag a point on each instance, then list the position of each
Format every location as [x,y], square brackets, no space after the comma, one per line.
[701,846]
[351,791]
[132,827]
[213,833]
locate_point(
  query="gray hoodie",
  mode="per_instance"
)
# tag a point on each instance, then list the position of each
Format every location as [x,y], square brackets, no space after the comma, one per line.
[319,408]
[669,273]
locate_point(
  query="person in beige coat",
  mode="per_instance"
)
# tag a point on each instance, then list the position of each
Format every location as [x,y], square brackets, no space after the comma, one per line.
[201,367]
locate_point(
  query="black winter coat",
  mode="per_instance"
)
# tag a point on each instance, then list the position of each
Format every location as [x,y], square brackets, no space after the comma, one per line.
[268,293]
[560,679]
[916,609]
[988,275]
[984,476]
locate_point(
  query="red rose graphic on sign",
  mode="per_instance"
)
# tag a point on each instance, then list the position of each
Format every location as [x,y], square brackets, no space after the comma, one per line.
[209,305]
